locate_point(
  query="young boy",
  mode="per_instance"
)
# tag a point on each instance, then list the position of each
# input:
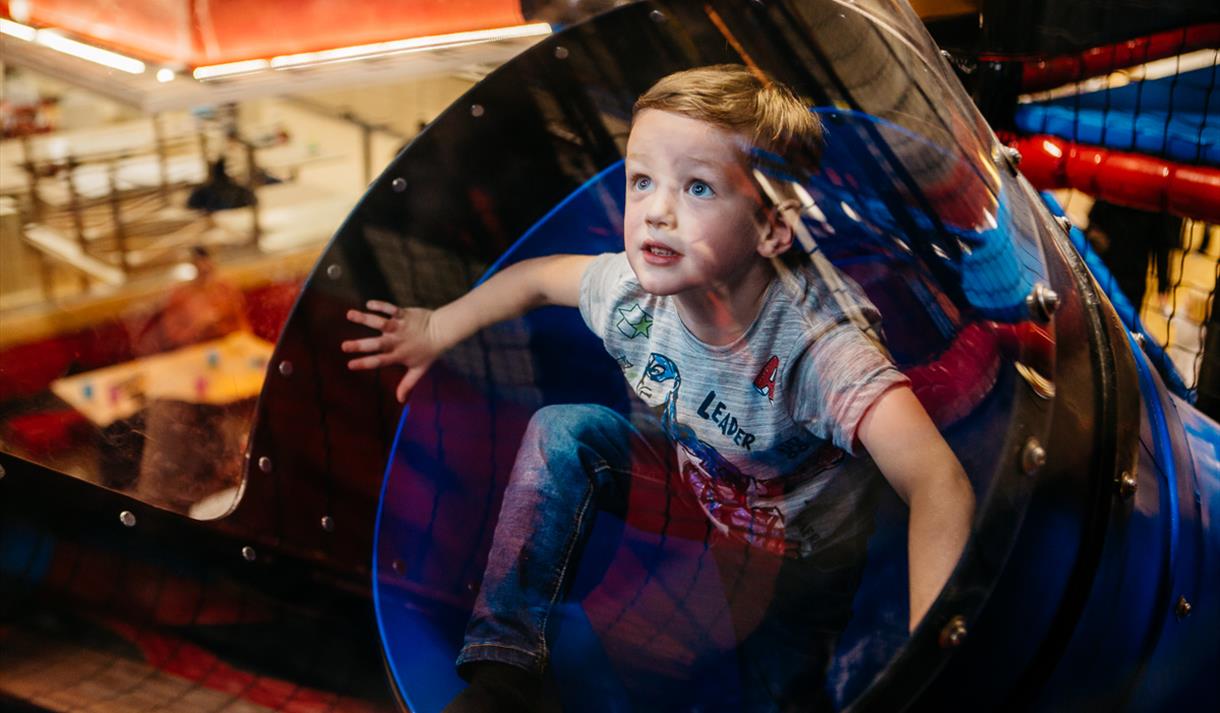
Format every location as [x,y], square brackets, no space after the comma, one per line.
[766,383]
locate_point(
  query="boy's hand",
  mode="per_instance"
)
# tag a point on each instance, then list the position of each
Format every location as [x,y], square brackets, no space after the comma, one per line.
[407,338]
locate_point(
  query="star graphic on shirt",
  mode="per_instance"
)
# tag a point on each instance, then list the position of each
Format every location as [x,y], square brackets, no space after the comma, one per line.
[634,322]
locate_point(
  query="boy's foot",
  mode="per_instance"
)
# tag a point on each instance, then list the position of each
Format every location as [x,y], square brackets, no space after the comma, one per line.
[503,688]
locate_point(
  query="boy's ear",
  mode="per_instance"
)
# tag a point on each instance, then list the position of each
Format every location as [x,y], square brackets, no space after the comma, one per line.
[779,234]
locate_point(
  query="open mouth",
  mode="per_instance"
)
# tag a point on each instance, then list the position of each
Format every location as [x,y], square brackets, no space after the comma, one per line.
[659,250]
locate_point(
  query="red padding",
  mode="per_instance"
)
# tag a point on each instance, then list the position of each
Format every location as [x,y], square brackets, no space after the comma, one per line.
[1048,72]
[1129,179]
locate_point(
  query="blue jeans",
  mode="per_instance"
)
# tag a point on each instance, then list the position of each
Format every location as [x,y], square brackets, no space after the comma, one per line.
[577,460]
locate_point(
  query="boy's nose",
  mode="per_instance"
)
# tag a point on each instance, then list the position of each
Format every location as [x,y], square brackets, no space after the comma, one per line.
[660,210]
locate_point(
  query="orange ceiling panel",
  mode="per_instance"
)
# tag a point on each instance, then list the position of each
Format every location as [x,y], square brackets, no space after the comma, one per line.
[202,32]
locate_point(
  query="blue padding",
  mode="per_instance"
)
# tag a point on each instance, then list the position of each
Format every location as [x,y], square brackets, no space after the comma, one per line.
[1180,137]
[1189,92]
[864,207]
[1127,314]
[993,277]
[1176,117]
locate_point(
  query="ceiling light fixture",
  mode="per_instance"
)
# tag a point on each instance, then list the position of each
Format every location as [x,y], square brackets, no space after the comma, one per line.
[411,44]
[216,71]
[54,40]
[18,30]
[369,51]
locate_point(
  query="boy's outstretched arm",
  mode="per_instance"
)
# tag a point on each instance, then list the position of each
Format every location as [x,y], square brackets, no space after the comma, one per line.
[414,337]
[909,450]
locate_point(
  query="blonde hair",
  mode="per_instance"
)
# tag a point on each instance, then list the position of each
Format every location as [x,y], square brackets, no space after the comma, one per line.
[732,97]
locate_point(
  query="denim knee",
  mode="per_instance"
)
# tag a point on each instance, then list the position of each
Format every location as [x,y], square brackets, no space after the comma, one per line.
[563,428]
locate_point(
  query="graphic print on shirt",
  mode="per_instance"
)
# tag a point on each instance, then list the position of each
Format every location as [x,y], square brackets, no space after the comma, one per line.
[633,322]
[764,383]
[723,491]
[623,362]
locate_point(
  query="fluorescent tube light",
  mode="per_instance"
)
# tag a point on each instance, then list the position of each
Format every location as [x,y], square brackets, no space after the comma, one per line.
[411,44]
[215,71]
[18,30]
[53,40]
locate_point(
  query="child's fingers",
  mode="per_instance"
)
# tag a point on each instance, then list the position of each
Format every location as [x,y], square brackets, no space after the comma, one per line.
[368,320]
[369,344]
[407,382]
[383,307]
[369,362]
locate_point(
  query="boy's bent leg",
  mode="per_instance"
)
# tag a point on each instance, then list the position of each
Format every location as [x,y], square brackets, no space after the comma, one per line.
[789,614]
[573,461]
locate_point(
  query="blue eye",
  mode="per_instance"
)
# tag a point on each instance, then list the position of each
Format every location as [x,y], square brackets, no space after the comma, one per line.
[699,189]
[641,183]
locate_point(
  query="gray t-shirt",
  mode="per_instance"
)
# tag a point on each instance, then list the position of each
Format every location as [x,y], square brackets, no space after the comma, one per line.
[764,428]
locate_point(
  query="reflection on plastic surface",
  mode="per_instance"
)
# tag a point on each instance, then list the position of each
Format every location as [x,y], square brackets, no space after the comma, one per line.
[153,402]
[908,202]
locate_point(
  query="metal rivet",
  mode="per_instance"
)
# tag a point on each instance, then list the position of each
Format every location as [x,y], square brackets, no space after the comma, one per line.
[1042,302]
[248,553]
[285,368]
[334,272]
[1183,607]
[954,633]
[399,185]
[1065,223]
[561,53]
[657,16]
[1127,484]
[328,523]
[397,566]
[1033,456]
[476,110]
[1006,157]
[264,464]
[1139,339]
[128,518]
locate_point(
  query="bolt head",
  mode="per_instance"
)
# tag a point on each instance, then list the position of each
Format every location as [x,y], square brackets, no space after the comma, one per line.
[561,53]
[399,185]
[264,464]
[477,110]
[328,523]
[248,553]
[954,633]
[1042,302]
[285,368]
[1033,456]
[1006,157]
[128,518]
[1127,484]
[334,271]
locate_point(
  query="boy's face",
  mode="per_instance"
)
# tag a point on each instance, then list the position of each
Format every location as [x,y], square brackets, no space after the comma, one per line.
[694,218]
